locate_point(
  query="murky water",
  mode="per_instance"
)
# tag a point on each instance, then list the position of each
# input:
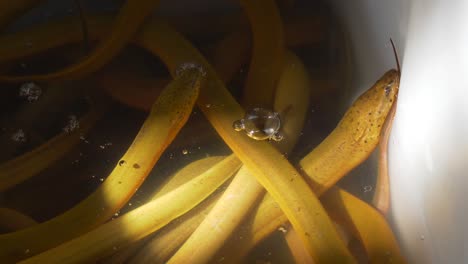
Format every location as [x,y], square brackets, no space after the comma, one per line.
[32,113]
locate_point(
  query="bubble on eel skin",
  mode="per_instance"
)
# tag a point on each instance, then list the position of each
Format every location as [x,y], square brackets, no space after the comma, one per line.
[188,66]
[260,124]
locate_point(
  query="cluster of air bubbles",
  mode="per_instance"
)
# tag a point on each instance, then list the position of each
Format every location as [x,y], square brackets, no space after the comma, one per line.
[282,229]
[105,145]
[30,91]
[72,124]
[260,124]
[82,138]
[189,66]
[19,136]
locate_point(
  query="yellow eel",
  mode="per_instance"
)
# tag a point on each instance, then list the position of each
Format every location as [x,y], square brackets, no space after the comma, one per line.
[132,15]
[366,223]
[269,167]
[267,52]
[23,167]
[10,10]
[381,199]
[142,221]
[168,115]
[244,190]
[166,241]
[12,220]
[314,150]
[351,144]
[354,138]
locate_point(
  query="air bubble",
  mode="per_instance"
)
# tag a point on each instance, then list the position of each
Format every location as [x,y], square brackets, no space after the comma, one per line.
[282,229]
[188,66]
[367,188]
[31,91]
[82,138]
[238,125]
[72,124]
[105,145]
[260,124]
[19,136]
[277,137]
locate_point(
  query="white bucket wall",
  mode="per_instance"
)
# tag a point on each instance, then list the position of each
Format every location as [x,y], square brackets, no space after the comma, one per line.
[429,144]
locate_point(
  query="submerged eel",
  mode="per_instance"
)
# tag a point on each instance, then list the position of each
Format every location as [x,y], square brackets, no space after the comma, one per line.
[269,167]
[260,169]
[377,87]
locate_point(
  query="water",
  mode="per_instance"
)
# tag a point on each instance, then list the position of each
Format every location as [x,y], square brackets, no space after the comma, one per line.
[33,113]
